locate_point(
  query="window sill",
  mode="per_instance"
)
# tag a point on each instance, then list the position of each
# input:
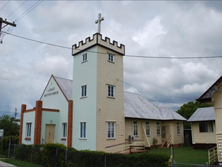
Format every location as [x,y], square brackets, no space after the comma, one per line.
[111,139]
[110,97]
[82,138]
[148,136]
[28,138]
[84,61]
[63,139]
[111,61]
[83,97]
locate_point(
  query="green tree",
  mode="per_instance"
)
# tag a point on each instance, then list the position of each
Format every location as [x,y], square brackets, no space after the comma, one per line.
[186,110]
[11,128]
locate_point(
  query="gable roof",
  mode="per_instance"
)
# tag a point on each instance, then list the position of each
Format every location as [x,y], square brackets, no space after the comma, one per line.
[66,86]
[207,96]
[135,106]
[203,114]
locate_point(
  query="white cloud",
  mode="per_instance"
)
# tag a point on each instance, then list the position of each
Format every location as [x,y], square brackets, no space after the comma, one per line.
[151,34]
[148,28]
[57,65]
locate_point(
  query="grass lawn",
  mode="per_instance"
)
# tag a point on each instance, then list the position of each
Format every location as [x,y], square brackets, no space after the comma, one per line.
[3,156]
[19,163]
[184,154]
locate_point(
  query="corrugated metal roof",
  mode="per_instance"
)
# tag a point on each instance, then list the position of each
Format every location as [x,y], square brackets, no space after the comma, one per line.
[203,114]
[135,106]
[66,86]
[169,114]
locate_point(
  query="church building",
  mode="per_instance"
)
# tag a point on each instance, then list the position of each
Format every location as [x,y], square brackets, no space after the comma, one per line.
[92,111]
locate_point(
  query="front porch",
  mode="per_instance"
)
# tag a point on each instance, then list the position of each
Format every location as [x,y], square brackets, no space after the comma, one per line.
[128,147]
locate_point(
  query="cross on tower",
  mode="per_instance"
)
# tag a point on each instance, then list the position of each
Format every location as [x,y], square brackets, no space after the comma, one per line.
[100,19]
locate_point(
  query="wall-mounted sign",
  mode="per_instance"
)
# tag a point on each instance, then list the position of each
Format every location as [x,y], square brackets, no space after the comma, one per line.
[51,93]
[51,89]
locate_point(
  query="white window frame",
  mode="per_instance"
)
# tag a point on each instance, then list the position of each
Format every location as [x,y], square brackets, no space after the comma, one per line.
[64,130]
[110,130]
[84,57]
[178,128]
[81,131]
[158,129]
[28,131]
[111,57]
[84,91]
[147,128]
[135,128]
[111,91]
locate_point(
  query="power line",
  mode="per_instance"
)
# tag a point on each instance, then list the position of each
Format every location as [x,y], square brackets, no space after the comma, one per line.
[138,89]
[163,57]
[5,5]
[33,40]
[132,56]
[28,10]
[16,9]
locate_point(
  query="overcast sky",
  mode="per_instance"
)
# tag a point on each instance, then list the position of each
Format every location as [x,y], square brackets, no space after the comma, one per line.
[146,28]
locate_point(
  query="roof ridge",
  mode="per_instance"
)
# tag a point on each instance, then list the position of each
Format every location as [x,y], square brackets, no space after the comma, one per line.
[131,92]
[62,78]
[144,98]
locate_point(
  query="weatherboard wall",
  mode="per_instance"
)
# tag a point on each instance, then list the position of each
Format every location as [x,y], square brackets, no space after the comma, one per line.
[176,138]
[217,99]
[142,123]
[202,137]
[171,130]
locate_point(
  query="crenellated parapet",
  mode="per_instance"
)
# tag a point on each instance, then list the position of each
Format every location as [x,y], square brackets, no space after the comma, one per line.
[97,40]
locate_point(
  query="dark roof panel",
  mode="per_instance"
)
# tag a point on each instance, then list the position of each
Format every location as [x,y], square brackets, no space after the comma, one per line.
[206,96]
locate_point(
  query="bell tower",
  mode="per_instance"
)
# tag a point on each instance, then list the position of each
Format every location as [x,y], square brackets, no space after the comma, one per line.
[98,109]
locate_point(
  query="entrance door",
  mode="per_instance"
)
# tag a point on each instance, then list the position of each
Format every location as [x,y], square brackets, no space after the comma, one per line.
[165,130]
[50,133]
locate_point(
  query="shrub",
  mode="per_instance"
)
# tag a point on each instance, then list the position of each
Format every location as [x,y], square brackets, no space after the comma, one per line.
[85,158]
[137,160]
[24,152]
[53,155]
[101,159]
[29,153]
[5,143]
[37,154]
[154,142]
